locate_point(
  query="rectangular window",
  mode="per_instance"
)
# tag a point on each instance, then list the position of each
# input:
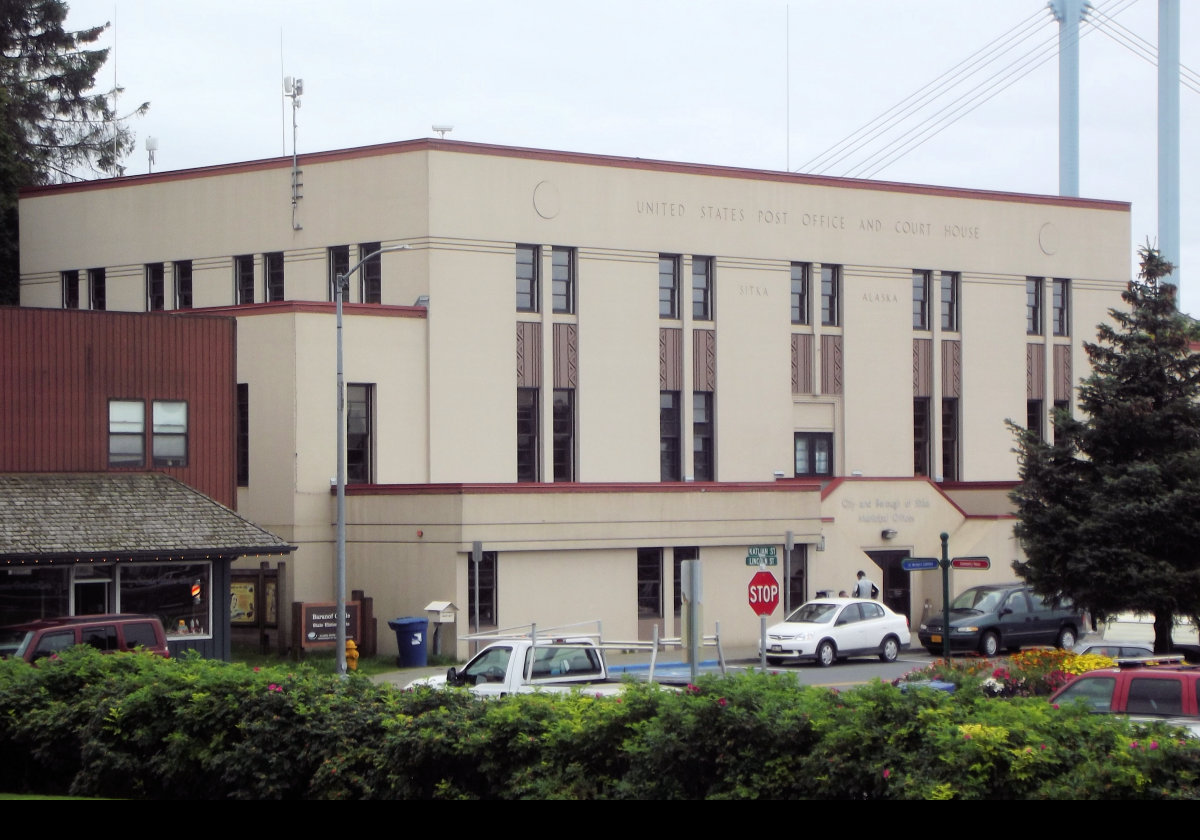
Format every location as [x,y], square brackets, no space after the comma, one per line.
[564,434]
[703,450]
[371,273]
[1033,305]
[170,433]
[156,293]
[801,273]
[487,590]
[1033,418]
[243,435]
[527,434]
[920,299]
[950,281]
[921,440]
[360,406]
[179,594]
[70,289]
[670,431]
[702,288]
[1060,306]
[183,284]
[243,277]
[1061,408]
[814,454]
[668,286]
[563,281]
[274,268]
[339,265]
[126,433]
[97,288]
[528,268]
[831,295]
[950,439]
[649,582]
[682,553]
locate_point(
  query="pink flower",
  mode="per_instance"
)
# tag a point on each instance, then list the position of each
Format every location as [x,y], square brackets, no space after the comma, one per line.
[887,773]
[722,702]
[257,669]
[1154,745]
[274,687]
[1043,746]
[1133,745]
[693,689]
[1055,705]
[966,736]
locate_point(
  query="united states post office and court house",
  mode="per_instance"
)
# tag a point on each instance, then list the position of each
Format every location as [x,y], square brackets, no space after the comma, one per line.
[598,367]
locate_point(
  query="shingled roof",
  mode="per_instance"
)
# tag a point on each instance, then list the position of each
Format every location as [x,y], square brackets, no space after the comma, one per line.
[120,515]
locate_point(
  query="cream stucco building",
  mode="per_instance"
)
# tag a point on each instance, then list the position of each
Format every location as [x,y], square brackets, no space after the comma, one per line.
[596,367]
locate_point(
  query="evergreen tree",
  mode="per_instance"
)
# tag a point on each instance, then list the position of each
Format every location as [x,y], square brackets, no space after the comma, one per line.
[1109,514]
[53,126]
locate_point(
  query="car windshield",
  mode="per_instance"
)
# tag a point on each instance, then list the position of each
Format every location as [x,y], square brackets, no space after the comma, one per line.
[12,642]
[979,600]
[814,613]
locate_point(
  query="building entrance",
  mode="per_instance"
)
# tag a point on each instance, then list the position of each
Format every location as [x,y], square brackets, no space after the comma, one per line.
[894,589]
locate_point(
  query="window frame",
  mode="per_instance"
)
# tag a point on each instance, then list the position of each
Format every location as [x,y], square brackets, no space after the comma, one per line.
[950,283]
[242,442]
[370,283]
[360,445]
[1060,306]
[922,437]
[528,439]
[649,583]
[668,286]
[243,279]
[1034,411]
[563,262]
[813,442]
[337,260]
[528,280]
[702,288]
[922,281]
[489,567]
[801,300]
[156,291]
[70,288]
[181,272]
[273,269]
[564,434]
[168,459]
[831,295]
[704,450]
[98,289]
[670,434]
[951,418]
[180,578]
[126,459]
[1033,305]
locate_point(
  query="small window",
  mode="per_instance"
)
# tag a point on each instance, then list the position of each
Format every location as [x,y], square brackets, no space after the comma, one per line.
[97,285]
[682,553]
[950,282]
[70,289]
[920,299]
[950,465]
[139,634]
[102,637]
[170,433]
[528,268]
[921,439]
[371,273]
[649,583]
[814,454]
[703,454]
[156,292]
[243,277]
[1155,697]
[831,295]
[1033,418]
[243,435]
[1095,692]
[126,433]
[564,434]
[801,273]
[487,590]
[702,288]
[183,284]
[527,434]
[339,266]
[1060,306]
[670,430]
[1033,305]
[563,281]
[274,267]
[668,286]
[359,422]
[1061,408]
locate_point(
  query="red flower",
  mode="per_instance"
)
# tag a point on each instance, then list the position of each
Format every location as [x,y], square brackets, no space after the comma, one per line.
[887,773]
[722,702]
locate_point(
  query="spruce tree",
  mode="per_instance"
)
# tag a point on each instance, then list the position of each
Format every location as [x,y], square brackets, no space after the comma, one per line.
[1109,513]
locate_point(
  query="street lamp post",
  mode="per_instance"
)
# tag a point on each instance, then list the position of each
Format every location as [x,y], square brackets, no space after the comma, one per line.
[340,288]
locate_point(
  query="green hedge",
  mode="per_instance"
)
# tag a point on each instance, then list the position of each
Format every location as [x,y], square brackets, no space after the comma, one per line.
[141,727]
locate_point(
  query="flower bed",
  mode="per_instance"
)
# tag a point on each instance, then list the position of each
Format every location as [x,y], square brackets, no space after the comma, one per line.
[1030,673]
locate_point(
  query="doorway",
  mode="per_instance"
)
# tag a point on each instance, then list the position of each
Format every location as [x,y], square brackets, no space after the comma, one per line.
[894,589]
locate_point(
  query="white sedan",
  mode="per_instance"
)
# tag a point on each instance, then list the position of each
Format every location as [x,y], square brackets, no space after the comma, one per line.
[829,629]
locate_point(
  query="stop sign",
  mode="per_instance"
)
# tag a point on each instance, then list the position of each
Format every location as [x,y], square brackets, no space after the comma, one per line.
[764,593]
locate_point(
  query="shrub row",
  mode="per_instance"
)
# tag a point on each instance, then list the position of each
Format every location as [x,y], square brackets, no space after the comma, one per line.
[140,727]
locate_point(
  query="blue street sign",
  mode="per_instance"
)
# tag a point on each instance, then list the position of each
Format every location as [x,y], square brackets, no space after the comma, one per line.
[918,564]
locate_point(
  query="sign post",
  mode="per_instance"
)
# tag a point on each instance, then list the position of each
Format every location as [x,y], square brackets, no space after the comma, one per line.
[763,596]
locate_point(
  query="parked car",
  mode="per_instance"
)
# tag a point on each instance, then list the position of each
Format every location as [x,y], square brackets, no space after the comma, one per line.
[829,629]
[998,617]
[1141,689]
[110,633]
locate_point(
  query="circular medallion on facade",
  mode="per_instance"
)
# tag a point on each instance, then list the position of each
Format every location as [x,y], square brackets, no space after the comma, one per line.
[1048,239]
[545,200]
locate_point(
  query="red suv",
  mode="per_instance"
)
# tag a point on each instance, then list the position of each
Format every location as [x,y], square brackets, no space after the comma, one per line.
[109,633]
[1140,688]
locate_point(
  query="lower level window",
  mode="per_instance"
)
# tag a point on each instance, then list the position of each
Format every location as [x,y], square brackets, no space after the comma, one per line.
[527,434]
[950,440]
[669,431]
[649,583]
[703,454]
[1033,418]
[921,424]
[814,454]
[564,434]
[682,553]
[180,594]
[359,410]
[487,590]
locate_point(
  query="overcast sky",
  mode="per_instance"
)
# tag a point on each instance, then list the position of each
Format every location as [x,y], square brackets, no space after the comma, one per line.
[766,84]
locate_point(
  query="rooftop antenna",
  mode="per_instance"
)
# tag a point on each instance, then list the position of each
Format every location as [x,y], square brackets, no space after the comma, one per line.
[443,130]
[293,89]
[151,148]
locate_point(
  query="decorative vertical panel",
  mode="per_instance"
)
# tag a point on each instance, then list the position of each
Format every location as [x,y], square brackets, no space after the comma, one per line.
[670,359]
[1062,372]
[1035,371]
[831,364]
[704,360]
[951,369]
[802,363]
[922,367]
[566,356]
[529,354]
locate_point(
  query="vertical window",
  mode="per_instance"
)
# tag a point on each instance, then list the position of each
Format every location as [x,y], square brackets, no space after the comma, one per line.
[950,281]
[670,431]
[243,435]
[564,434]
[649,582]
[950,439]
[243,277]
[1033,418]
[702,288]
[831,295]
[96,286]
[339,264]
[668,286]
[920,299]
[527,434]
[921,424]
[563,281]
[487,589]
[528,265]
[371,273]
[170,433]
[681,553]
[1060,306]
[126,433]
[274,268]
[183,284]
[359,420]
[70,289]
[156,292]
[1061,407]
[814,454]
[1033,305]
[800,281]
[703,450]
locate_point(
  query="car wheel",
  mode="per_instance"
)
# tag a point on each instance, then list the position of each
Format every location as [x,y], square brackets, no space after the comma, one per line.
[826,654]
[1066,638]
[890,650]
[774,660]
[989,644]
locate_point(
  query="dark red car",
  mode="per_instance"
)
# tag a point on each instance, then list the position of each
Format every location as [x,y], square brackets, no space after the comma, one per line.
[110,633]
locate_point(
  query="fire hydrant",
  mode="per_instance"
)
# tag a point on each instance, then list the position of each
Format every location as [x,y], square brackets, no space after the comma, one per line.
[351,655]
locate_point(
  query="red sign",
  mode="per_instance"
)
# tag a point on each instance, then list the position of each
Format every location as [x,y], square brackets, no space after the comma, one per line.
[764,593]
[971,563]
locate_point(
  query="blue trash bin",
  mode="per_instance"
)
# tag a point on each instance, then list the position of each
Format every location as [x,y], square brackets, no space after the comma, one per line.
[411,634]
